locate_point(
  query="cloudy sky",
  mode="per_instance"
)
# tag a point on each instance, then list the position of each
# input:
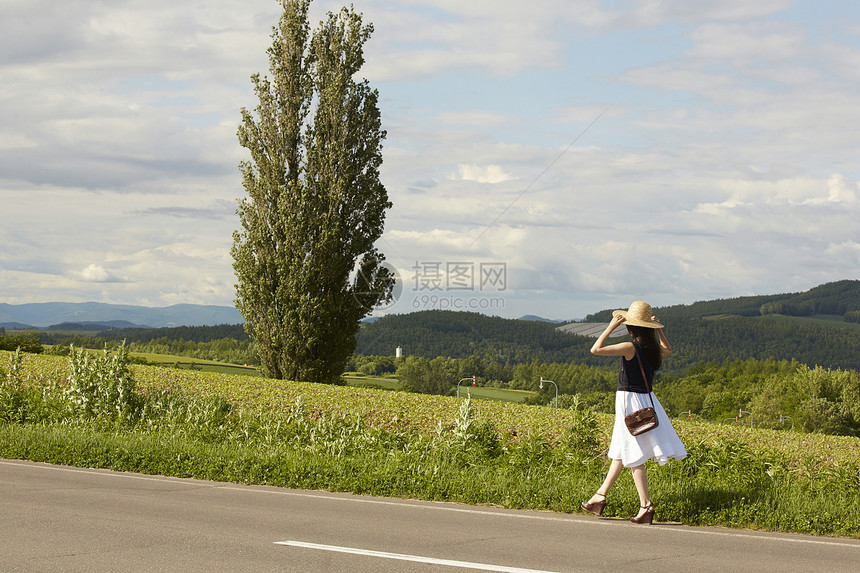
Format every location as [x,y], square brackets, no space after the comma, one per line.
[548,157]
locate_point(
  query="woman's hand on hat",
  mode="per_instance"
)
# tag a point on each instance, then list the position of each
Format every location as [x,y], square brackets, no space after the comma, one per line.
[616,320]
[655,319]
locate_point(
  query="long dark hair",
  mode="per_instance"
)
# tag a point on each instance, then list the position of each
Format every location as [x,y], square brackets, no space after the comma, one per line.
[647,339]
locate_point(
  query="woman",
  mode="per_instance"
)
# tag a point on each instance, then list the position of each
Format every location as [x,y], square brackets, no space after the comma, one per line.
[625,449]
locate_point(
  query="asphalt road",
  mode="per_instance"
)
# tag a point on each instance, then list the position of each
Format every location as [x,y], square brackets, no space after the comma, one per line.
[56,518]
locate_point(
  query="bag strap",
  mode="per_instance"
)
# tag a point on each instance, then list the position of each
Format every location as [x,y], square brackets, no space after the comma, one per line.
[644,378]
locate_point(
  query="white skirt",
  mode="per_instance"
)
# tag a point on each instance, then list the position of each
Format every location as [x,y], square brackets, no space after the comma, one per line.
[662,443]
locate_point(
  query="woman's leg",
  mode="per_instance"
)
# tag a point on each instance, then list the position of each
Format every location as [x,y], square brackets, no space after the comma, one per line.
[614,471]
[640,478]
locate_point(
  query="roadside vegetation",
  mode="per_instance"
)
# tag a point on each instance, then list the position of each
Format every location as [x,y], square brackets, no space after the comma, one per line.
[99,410]
[769,393]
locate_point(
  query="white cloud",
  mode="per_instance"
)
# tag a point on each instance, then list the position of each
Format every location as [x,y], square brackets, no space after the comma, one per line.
[94,273]
[840,191]
[650,12]
[746,42]
[848,252]
[473,118]
[484,37]
[482,174]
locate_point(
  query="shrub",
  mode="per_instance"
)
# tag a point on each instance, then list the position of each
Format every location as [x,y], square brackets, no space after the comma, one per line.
[852,316]
[428,376]
[102,386]
[13,405]
[583,435]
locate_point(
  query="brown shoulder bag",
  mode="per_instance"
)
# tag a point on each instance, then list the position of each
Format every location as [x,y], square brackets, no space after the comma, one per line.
[645,419]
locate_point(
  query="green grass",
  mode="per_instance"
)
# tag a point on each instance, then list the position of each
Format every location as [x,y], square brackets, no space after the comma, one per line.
[499,394]
[192,363]
[358,380]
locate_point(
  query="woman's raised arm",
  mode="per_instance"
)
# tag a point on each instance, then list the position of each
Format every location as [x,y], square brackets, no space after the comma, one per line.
[625,349]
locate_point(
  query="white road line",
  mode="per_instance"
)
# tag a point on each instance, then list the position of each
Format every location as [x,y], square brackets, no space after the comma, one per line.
[406,557]
[441,506]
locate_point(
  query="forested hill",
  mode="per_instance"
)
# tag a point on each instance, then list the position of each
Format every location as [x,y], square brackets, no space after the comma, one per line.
[137,334]
[432,333]
[838,299]
[189,333]
[816,327]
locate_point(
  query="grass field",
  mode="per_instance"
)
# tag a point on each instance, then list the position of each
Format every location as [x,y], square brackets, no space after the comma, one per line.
[238,428]
[498,394]
[364,381]
[478,392]
[191,363]
[353,379]
[424,411]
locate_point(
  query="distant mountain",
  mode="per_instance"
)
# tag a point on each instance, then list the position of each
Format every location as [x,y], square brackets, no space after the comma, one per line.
[44,315]
[456,334]
[538,318]
[16,326]
[94,326]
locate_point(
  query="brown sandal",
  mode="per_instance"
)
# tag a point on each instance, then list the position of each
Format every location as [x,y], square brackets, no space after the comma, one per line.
[647,517]
[596,507]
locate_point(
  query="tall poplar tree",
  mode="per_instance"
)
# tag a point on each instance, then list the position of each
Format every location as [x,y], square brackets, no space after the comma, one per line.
[305,259]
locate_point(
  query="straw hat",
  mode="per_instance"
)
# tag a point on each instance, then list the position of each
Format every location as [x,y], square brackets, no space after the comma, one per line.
[639,315]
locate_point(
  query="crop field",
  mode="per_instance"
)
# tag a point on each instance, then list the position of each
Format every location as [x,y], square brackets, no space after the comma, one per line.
[376,406]
[423,413]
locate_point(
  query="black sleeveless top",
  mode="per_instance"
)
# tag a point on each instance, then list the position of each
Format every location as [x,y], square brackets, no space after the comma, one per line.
[630,375]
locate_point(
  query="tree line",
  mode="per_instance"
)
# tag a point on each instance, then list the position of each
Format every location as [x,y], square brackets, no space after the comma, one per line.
[222,343]
[770,394]
[28,342]
[227,350]
[776,394]
[185,333]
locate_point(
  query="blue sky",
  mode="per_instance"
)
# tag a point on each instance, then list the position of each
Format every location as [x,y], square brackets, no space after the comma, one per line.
[596,152]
